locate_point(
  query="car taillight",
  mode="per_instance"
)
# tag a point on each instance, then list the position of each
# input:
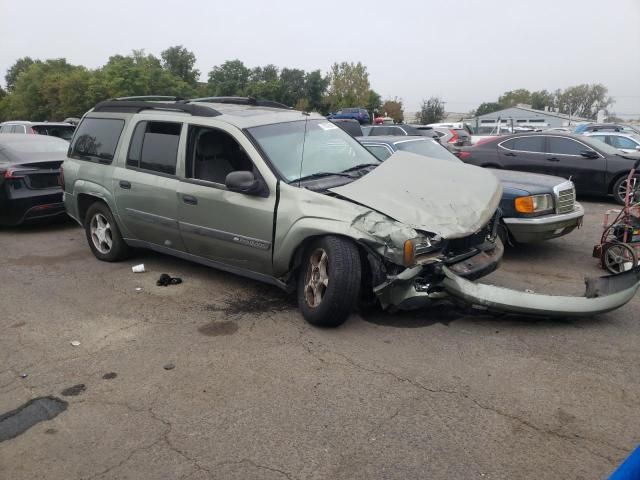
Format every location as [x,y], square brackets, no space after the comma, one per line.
[61,177]
[463,155]
[455,136]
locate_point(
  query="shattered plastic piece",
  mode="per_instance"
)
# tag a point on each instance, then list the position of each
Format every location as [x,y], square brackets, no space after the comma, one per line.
[169,366]
[75,343]
[138,289]
[23,375]
[528,290]
[138,268]
[166,279]
[74,391]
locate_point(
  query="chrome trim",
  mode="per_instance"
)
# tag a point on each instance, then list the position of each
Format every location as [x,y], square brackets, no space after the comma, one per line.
[547,219]
[152,218]
[225,236]
[261,277]
[560,193]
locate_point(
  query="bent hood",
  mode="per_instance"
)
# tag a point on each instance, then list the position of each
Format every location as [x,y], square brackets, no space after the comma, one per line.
[439,196]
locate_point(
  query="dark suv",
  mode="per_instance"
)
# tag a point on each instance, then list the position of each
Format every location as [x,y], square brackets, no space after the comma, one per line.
[359,114]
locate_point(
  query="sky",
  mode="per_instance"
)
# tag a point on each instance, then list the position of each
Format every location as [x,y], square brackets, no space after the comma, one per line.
[466,52]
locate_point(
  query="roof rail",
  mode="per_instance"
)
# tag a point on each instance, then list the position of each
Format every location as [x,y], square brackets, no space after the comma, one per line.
[242,101]
[152,98]
[136,106]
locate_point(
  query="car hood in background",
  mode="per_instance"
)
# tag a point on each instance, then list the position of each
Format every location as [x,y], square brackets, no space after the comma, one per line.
[447,198]
[525,181]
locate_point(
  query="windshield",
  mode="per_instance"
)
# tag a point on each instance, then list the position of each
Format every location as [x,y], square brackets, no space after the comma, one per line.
[427,148]
[61,131]
[302,148]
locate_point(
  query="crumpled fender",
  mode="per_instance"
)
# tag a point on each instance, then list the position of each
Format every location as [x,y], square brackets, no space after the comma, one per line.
[602,295]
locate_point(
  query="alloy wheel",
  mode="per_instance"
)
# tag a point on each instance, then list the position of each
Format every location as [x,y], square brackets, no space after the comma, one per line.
[316,278]
[101,233]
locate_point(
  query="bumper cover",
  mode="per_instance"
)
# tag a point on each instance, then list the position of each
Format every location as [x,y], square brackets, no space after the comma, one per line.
[535,229]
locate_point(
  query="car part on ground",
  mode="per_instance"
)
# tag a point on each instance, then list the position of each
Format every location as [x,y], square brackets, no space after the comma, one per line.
[29,178]
[593,166]
[560,217]
[299,203]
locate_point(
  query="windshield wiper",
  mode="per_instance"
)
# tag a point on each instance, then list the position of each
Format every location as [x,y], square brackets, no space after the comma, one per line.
[362,165]
[320,175]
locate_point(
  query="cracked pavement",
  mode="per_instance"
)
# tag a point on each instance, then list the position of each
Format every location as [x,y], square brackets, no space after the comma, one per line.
[257,393]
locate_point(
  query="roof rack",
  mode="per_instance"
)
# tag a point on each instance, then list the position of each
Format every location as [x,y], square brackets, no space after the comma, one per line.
[242,101]
[152,98]
[136,106]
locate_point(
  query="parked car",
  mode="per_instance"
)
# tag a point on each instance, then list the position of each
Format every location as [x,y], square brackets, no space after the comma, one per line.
[289,198]
[627,142]
[60,130]
[453,138]
[349,125]
[29,169]
[608,127]
[359,114]
[534,207]
[400,129]
[594,167]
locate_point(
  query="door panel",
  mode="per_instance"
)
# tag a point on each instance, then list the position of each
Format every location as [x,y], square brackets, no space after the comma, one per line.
[588,174]
[526,154]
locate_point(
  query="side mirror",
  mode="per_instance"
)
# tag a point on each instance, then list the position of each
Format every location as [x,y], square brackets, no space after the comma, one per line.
[243,182]
[589,154]
[638,148]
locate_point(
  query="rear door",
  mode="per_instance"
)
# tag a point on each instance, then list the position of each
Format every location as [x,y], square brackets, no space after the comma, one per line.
[226,227]
[588,174]
[146,186]
[525,153]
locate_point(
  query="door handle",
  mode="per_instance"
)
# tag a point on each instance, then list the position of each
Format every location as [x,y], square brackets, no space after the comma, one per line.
[509,154]
[189,199]
[553,159]
[124,184]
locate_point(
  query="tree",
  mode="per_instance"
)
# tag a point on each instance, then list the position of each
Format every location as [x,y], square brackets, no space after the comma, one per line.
[487,107]
[264,82]
[230,78]
[315,87]
[393,108]
[180,62]
[348,85]
[540,100]
[513,97]
[21,65]
[374,103]
[291,86]
[432,111]
[583,100]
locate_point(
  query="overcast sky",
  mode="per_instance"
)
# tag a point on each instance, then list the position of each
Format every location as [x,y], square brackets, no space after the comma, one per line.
[466,52]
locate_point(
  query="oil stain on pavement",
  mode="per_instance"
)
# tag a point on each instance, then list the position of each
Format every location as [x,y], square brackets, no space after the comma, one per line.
[36,410]
[219,329]
[74,391]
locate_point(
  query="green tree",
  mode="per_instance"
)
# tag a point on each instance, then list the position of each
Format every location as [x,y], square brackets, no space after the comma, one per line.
[541,99]
[348,85]
[513,97]
[431,111]
[181,62]
[374,103]
[315,87]
[292,86]
[21,65]
[393,108]
[583,100]
[487,107]
[230,78]
[264,82]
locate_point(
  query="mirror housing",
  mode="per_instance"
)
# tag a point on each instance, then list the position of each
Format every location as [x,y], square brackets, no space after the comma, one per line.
[244,181]
[589,154]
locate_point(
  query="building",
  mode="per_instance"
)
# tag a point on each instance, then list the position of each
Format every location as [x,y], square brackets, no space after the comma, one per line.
[521,116]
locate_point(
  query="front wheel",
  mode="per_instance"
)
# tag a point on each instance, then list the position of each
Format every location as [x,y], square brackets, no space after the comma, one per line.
[329,281]
[103,234]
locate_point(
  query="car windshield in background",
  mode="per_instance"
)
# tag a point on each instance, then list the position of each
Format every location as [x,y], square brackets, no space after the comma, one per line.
[307,147]
[600,145]
[63,131]
[427,148]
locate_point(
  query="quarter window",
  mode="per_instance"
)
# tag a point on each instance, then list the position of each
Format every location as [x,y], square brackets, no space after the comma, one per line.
[154,146]
[565,146]
[97,139]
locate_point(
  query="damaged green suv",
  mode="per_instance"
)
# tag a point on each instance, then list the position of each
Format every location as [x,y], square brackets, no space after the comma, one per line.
[289,198]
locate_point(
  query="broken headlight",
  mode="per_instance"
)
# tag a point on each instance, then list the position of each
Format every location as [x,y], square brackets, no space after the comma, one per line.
[415,248]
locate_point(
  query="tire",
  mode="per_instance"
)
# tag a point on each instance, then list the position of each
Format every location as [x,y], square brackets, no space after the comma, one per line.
[618,257]
[329,281]
[619,188]
[103,234]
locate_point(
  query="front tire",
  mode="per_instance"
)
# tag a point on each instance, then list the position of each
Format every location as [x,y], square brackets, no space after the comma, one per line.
[103,234]
[329,281]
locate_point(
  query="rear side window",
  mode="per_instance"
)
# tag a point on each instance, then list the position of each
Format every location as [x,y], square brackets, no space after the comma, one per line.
[526,144]
[154,146]
[97,139]
[565,146]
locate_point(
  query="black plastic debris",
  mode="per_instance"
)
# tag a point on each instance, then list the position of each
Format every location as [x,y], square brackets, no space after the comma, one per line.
[21,419]
[166,279]
[169,366]
[74,391]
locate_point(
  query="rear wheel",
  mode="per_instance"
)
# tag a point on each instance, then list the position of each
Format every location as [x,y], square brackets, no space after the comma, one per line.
[618,257]
[329,281]
[620,188]
[103,234]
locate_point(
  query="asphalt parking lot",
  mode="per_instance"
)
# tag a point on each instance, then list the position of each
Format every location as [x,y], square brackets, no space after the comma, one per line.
[255,392]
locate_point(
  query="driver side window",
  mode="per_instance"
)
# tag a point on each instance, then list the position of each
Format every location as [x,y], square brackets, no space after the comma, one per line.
[213,154]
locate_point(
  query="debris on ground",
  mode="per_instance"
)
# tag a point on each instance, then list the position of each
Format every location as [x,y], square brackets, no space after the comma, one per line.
[74,391]
[138,268]
[24,375]
[109,376]
[169,366]
[36,410]
[138,289]
[166,279]
[75,343]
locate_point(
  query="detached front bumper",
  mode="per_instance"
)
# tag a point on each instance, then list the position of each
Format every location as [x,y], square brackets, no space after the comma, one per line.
[536,229]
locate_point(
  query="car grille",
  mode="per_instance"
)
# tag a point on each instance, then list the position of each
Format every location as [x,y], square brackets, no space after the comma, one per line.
[565,200]
[464,244]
